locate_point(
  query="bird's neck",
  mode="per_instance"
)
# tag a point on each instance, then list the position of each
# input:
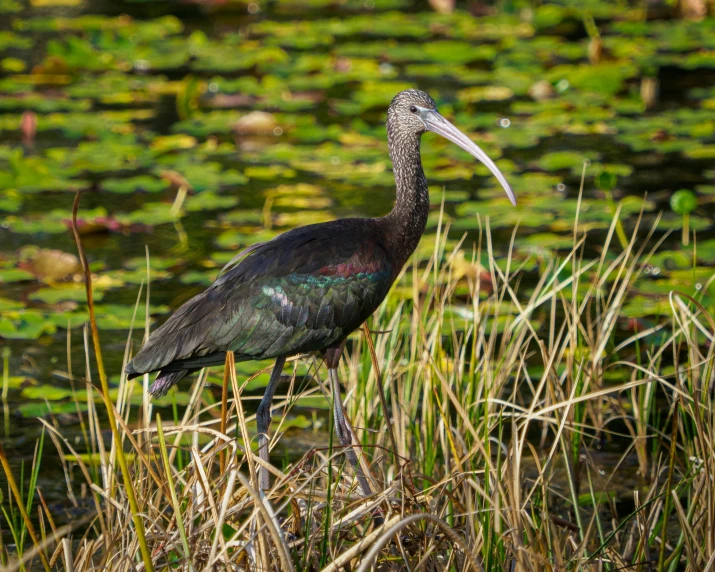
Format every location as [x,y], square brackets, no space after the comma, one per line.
[407,220]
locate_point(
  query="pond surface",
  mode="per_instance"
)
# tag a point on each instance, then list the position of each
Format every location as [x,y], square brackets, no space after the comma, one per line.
[272,115]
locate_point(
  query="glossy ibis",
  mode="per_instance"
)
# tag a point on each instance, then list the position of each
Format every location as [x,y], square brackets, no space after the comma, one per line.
[308,289]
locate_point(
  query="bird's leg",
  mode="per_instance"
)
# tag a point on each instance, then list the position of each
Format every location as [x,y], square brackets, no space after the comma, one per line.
[342,425]
[263,421]
[344,432]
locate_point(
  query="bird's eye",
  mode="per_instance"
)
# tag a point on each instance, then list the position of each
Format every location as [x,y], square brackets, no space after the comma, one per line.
[413,109]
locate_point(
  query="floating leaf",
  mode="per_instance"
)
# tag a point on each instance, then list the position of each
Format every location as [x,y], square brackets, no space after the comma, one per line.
[208,200]
[62,292]
[8,275]
[10,200]
[606,181]
[25,325]
[42,409]
[683,202]
[559,160]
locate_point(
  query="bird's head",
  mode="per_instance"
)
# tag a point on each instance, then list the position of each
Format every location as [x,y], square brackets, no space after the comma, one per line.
[407,109]
[413,111]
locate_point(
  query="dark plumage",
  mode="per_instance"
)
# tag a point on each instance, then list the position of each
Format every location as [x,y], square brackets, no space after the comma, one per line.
[308,289]
[301,292]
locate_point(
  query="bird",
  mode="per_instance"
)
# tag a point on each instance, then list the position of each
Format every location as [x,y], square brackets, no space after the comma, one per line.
[306,290]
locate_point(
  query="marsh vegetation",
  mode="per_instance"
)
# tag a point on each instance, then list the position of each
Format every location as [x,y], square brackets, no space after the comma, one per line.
[548,370]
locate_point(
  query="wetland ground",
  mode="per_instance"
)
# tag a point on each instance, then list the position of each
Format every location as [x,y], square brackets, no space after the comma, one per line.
[548,368]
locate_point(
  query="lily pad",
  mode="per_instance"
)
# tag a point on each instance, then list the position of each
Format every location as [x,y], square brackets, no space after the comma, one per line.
[209,200]
[42,409]
[204,176]
[133,184]
[25,324]
[559,160]
[8,275]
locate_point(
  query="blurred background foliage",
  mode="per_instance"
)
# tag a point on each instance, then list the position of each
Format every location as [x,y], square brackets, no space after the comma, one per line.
[196,128]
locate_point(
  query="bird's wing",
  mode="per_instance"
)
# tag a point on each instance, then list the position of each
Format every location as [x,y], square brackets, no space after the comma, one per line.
[240,256]
[302,291]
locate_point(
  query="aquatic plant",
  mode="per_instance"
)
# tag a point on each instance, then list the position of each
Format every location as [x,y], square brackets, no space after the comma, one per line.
[534,379]
[683,202]
[468,380]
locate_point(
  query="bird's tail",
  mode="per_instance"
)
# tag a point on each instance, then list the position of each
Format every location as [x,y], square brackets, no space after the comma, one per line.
[166,380]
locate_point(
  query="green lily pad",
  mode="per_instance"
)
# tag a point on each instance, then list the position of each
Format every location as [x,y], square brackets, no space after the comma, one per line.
[25,325]
[195,277]
[62,292]
[8,275]
[10,200]
[42,409]
[153,214]
[235,239]
[605,78]
[666,260]
[701,152]
[548,241]
[486,93]
[117,317]
[683,202]
[36,174]
[13,40]
[205,175]
[706,251]
[155,262]
[209,200]
[48,392]
[53,222]
[269,172]
[134,184]
[672,222]
[559,160]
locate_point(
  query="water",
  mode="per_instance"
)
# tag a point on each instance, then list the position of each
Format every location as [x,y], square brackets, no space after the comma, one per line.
[327,83]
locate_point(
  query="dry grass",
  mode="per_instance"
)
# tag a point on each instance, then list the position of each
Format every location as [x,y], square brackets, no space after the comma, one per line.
[500,397]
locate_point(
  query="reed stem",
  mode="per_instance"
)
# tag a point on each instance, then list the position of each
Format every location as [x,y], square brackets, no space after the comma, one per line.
[123,465]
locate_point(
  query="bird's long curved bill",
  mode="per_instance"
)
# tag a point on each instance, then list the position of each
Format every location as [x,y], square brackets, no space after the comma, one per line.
[438,124]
